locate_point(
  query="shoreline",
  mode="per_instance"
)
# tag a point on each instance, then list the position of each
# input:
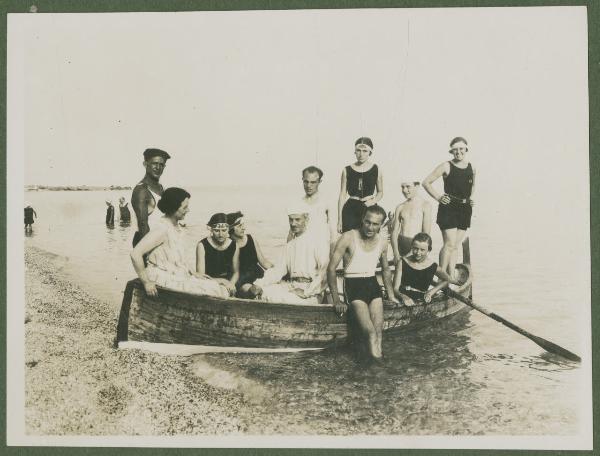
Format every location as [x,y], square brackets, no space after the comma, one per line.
[77,383]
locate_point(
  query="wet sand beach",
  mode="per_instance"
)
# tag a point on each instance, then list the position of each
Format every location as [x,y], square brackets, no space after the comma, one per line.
[77,383]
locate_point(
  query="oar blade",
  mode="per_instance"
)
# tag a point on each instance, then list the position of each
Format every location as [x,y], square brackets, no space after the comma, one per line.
[556,349]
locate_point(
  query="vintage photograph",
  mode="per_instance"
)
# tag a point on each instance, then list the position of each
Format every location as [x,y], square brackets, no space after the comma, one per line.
[352,228]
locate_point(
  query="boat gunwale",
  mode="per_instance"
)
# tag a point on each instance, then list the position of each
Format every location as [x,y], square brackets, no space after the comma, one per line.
[136,283]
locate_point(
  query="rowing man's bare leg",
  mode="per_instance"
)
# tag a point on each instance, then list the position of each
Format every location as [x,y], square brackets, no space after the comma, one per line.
[376,313]
[363,318]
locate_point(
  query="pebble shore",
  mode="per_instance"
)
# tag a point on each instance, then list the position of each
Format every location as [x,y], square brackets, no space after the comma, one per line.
[77,383]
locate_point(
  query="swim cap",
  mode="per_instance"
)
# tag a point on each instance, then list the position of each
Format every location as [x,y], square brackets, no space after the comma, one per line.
[218,219]
[234,218]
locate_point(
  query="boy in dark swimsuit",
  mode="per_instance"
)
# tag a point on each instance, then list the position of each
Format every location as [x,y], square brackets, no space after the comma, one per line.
[414,273]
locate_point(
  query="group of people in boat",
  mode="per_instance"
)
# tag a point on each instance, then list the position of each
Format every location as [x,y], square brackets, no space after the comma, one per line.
[230,262]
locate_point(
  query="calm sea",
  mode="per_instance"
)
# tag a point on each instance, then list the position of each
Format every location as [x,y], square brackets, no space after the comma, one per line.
[469,375]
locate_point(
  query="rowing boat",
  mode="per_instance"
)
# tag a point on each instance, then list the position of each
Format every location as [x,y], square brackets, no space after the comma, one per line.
[174,317]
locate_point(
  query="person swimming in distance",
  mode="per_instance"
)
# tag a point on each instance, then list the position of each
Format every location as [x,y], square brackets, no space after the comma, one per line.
[217,255]
[164,250]
[415,272]
[411,217]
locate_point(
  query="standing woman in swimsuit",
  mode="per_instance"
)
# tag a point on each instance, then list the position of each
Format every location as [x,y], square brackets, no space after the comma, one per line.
[361,187]
[456,203]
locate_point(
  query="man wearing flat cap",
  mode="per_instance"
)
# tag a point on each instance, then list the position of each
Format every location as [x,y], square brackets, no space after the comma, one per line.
[304,264]
[148,191]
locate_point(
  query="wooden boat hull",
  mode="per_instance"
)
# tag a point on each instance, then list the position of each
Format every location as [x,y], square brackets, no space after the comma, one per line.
[181,318]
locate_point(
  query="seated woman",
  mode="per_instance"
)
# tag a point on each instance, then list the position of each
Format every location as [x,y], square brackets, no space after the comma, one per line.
[252,261]
[165,252]
[414,273]
[217,256]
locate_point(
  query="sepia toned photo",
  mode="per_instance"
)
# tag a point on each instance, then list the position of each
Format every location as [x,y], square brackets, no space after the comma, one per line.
[353,228]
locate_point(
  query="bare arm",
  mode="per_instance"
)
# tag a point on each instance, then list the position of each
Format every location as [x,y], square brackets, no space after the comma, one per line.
[387,275]
[379,186]
[341,200]
[471,202]
[319,282]
[426,227]
[266,264]
[34,213]
[443,283]
[139,203]
[235,266]
[338,254]
[395,233]
[200,265]
[438,172]
[398,276]
[146,244]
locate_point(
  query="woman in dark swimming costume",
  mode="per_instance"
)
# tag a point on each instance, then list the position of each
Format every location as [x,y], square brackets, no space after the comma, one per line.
[414,273]
[361,187]
[29,215]
[252,261]
[456,203]
[217,256]
[125,214]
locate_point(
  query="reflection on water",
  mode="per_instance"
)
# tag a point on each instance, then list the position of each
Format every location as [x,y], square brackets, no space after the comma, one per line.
[466,375]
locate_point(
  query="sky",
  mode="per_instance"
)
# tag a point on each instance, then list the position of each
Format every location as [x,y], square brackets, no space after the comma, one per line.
[251,98]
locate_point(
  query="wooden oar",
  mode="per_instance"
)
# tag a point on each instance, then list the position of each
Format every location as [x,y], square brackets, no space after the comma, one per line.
[545,344]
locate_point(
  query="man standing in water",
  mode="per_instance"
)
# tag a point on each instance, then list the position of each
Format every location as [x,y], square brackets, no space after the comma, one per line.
[361,250]
[320,219]
[411,217]
[148,191]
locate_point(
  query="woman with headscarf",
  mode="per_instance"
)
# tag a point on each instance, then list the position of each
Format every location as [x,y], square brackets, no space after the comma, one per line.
[165,251]
[361,187]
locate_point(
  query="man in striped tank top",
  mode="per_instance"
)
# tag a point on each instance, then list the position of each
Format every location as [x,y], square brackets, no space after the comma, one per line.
[362,249]
[148,191]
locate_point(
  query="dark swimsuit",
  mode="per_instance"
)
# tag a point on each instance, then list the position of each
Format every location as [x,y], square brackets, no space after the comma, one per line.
[249,268]
[125,214]
[457,185]
[358,185]
[28,216]
[218,263]
[417,280]
[110,215]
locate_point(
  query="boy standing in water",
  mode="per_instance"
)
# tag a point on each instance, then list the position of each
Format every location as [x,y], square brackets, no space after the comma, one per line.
[361,250]
[148,191]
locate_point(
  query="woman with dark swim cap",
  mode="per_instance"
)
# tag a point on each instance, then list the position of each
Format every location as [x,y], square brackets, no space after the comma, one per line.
[361,187]
[456,203]
[165,250]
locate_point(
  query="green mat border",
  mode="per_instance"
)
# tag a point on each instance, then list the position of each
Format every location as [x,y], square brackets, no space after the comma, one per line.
[92,6]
